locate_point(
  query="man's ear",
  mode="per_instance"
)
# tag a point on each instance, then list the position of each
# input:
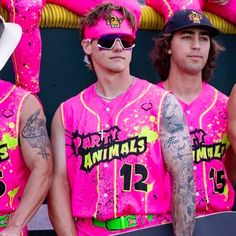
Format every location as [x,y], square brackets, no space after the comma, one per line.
[169,51]
[86,45]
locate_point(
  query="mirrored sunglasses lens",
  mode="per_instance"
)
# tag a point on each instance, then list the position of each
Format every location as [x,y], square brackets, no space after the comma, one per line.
[127,42]
[108,41]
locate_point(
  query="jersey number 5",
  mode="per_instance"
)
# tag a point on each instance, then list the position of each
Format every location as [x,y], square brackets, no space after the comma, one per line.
[219,180]
[126,172]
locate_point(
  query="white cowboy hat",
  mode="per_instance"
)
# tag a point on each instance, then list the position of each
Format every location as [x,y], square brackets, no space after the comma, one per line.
[11,35]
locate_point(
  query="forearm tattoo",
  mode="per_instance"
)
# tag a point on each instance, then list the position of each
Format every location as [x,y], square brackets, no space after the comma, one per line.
[177,152]
[35,132]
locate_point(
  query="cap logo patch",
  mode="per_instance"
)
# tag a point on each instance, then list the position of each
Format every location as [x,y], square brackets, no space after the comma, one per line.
[195,17]
[114,21]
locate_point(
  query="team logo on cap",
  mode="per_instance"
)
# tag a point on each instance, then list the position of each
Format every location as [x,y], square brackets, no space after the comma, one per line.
[114,21]
[195,17]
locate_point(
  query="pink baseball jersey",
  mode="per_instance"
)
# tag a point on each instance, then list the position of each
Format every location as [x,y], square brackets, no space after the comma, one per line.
[113,153]
[13,171]
[207,120]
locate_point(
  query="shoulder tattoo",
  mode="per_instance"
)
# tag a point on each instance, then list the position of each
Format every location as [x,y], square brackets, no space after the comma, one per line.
[35,132]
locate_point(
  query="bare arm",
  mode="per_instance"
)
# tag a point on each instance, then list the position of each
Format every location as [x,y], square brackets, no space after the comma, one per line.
[176,148]
[36,152]
[230,161]
[59,198]
[230,165]
[232,118]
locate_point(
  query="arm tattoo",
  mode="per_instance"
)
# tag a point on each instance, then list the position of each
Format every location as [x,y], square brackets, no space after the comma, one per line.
[35,133]
[176,147]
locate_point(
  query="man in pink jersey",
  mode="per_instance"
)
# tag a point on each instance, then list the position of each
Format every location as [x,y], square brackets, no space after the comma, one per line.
[25,155]
[185,56]
[118,143]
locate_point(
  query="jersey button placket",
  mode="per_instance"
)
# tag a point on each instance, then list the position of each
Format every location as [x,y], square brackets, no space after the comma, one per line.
[107,109]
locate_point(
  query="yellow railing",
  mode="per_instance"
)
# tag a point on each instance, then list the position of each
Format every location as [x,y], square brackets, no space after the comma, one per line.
[55,16]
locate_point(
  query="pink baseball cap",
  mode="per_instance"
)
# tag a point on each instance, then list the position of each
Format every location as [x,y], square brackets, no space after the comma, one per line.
[115,24]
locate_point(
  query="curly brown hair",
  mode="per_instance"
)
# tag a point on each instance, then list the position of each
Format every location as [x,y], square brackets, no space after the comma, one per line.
[161,58]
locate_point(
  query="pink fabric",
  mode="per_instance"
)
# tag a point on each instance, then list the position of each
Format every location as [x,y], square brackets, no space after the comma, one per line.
[227,11]
[207,120]
[104,140]
[168,7]
[112,26]
[13,170]
[82,7]
[27,56]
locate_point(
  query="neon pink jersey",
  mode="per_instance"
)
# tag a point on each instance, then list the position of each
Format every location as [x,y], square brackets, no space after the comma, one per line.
[207,121]
[113,153]
[13,171]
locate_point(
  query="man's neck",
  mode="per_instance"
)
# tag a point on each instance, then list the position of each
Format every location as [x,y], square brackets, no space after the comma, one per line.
[184,87]
[113,85]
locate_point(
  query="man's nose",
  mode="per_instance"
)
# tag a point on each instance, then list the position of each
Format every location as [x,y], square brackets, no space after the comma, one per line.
[196,43]
[118,45]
